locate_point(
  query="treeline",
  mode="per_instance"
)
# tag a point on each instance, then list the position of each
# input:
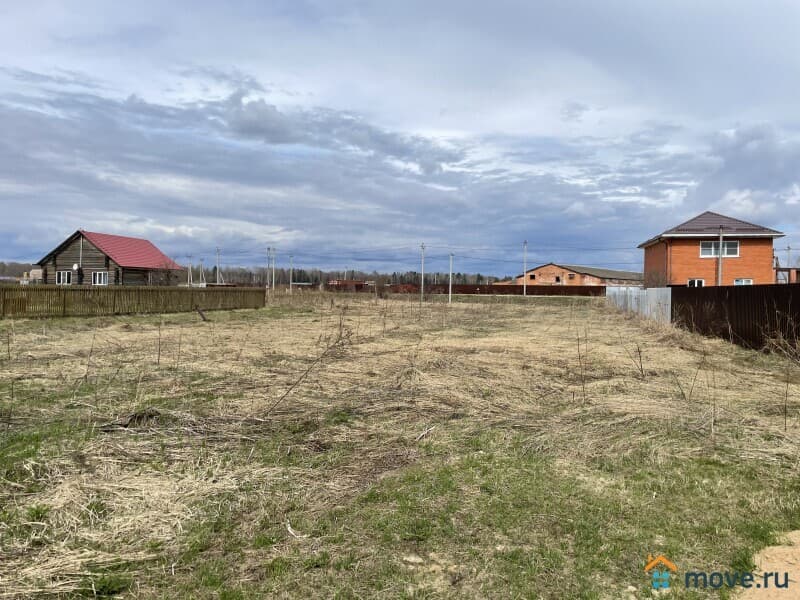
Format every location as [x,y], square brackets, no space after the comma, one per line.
[259,276]
[14,269]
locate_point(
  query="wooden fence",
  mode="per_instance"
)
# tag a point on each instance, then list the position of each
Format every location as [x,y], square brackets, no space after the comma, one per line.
[59,301]
[748,315]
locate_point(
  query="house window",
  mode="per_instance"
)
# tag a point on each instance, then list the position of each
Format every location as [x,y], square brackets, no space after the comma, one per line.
[533,275]
[711,249]
[696,283]
[571,276]
[742,282]
[63,277]
[100,278]
[558,279]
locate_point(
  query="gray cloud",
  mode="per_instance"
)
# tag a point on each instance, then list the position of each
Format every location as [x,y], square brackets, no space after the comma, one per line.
[327,126]
[574,111]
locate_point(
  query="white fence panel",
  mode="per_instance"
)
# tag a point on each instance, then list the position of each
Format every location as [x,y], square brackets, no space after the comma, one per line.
[651,303]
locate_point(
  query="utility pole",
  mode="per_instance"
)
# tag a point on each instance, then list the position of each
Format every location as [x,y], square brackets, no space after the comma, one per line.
[422,278]
[721,252]
[202,274]
[291,271]
[268,258]
[189,274]
[450,287]
[219,277]
[788,266]
[525,268]
[273,269]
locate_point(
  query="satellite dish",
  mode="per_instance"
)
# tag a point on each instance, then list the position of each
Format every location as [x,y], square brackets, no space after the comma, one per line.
[75,267]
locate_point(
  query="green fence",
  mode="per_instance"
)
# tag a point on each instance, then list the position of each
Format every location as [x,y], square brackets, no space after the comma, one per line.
[59,301]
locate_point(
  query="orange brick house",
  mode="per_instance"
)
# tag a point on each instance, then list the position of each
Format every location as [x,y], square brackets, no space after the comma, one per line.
[555,274]
[689,254]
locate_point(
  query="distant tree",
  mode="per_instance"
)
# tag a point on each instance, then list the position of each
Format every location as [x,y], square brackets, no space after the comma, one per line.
[14,269]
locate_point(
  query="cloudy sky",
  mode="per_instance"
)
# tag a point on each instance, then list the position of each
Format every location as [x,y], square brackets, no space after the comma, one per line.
[348,132]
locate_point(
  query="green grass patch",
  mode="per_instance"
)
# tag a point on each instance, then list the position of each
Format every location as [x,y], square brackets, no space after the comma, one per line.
[502,520]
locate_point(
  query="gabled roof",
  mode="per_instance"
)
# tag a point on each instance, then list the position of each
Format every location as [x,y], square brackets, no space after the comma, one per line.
[130,252]
[707,224]
[595,271]
[604,273]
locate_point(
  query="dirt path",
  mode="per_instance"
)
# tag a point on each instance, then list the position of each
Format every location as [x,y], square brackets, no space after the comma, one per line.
[779,559]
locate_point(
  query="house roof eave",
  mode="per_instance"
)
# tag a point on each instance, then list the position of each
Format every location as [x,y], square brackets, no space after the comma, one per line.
[663,236]
[777,234]
[57,248]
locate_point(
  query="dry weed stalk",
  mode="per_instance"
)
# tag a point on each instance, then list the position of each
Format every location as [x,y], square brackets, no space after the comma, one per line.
[786,400]
[343,337]
[713,404]
[158,350]
[636,358]
[178,354]
[700,365]
[790,350]
[582,361]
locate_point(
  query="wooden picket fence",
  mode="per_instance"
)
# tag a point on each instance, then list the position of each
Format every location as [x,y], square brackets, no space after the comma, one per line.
[60,301]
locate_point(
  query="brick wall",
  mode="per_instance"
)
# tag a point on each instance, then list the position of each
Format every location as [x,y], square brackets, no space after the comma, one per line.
[683,262]
[655,265]
[554,275]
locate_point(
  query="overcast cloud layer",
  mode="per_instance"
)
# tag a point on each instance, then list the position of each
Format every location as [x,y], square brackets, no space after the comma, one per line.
[347,133]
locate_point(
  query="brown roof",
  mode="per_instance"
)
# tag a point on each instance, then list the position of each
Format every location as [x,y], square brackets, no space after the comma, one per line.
[605,273]
[596,272]
[708,224]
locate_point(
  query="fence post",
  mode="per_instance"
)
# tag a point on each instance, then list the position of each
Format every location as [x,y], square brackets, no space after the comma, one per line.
[2,302]
[63,302]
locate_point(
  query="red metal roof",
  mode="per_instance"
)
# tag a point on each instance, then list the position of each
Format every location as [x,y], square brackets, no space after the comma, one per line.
[131,252]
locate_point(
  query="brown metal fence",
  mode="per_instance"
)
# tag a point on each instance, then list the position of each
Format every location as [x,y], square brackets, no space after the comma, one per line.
[57,301]
[746,315]
[505,290]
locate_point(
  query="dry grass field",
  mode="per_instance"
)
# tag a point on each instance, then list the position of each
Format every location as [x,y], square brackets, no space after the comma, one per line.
[343,447]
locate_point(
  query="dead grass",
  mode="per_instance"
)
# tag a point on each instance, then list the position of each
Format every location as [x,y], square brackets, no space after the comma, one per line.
[281,451]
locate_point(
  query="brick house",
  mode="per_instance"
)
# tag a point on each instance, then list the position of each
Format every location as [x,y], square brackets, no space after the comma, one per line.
[689,254]
[88,258]
[555,274]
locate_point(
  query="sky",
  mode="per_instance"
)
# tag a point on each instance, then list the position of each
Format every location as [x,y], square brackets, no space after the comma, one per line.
[347,133]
